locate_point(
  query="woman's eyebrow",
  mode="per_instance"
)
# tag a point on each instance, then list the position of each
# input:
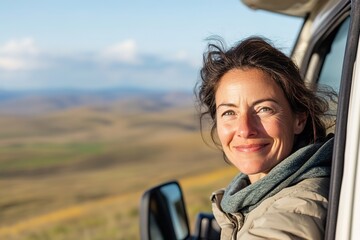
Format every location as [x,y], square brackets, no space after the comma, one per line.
[226,105]
[265,100]
[254,103]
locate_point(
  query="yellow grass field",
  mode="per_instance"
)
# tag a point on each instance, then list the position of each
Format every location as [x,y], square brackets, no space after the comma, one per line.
[79,173]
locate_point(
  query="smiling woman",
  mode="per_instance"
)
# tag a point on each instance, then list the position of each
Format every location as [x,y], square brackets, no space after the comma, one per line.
[270,127]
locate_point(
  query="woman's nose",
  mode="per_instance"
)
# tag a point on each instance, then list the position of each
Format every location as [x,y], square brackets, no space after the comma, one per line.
[246,126]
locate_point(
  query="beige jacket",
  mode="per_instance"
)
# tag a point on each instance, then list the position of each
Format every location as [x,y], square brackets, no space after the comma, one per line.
[296,212]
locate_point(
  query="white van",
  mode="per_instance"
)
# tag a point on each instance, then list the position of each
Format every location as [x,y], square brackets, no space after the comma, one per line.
[326,52]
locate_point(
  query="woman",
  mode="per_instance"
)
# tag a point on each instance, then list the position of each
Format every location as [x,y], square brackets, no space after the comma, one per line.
[270,126]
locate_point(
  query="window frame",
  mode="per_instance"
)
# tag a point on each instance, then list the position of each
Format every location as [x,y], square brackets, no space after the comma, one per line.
[342,116]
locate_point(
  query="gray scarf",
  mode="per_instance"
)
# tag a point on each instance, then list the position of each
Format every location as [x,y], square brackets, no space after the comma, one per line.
[312,161]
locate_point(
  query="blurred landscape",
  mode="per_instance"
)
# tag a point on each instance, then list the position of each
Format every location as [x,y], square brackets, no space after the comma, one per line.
[73,164]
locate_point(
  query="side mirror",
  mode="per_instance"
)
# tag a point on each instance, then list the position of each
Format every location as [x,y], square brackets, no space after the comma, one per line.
[163,214]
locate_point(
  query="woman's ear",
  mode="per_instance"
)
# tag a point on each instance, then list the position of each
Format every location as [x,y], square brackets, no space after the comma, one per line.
[300,122]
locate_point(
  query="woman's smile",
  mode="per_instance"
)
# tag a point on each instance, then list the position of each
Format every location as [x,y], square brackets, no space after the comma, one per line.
[250,148]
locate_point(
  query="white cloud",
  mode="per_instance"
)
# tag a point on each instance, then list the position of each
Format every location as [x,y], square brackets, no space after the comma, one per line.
[125,52]
[19,54]
[183,56]
[13,64]
[23,65]
[19,47]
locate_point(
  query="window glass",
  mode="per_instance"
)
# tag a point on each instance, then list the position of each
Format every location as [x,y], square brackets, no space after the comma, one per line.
[329,57]
[331,71]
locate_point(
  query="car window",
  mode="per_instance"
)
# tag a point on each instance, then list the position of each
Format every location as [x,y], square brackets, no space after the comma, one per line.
[325,66]
[331,71]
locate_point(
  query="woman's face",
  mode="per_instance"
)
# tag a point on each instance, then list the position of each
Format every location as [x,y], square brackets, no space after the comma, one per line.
[255,123]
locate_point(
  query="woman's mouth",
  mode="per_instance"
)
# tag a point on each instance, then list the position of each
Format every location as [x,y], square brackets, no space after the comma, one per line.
[248,148]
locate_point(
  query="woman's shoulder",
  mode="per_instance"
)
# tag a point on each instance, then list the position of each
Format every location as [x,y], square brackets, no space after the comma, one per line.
[299,210]
[317,188]
[302,197]
[309,197]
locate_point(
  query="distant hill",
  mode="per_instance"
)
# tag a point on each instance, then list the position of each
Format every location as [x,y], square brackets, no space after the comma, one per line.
[38,102]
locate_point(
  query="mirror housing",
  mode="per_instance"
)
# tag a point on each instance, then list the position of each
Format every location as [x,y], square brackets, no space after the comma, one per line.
[163,214]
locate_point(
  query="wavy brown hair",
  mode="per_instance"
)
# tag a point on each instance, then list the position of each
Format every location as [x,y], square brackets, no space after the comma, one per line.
[258,53]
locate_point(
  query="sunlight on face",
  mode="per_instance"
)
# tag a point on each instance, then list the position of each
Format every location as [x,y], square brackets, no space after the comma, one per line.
[255,123]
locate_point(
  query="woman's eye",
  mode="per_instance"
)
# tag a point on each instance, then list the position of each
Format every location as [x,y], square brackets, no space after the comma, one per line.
[228,113]
[265,110]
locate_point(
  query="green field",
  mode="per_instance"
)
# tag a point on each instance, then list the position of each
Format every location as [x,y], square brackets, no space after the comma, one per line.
[79,173]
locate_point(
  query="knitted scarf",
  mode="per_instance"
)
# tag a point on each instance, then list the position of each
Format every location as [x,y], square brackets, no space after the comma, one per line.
[312,161]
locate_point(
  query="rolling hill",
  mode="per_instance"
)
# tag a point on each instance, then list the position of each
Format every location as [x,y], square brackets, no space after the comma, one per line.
[60,150]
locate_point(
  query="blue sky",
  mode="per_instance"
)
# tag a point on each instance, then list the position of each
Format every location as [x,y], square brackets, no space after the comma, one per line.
[109,44]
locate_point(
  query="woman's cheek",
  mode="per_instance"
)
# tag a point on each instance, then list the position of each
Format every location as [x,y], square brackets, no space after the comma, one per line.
[225,133]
